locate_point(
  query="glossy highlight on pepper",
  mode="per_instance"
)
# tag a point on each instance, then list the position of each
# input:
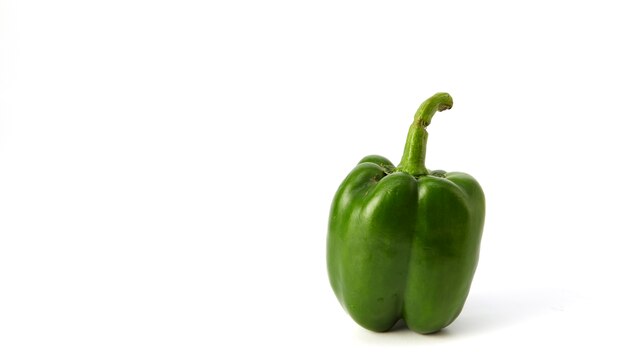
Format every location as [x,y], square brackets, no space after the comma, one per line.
[403,241]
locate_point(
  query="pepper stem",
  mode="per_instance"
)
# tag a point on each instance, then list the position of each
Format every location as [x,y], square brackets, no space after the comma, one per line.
[414,157]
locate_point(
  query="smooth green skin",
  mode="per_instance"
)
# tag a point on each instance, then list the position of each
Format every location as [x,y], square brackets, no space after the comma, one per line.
[405,244]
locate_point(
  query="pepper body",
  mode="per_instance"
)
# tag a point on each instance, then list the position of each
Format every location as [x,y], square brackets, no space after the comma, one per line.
[403,242]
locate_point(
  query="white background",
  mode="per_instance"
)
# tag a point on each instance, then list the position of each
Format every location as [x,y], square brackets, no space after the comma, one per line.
[167,167]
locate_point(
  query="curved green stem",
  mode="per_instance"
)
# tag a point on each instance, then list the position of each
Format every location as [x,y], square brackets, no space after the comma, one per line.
[414,157]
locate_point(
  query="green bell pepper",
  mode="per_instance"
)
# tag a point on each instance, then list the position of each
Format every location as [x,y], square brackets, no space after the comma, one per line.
[403,242]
